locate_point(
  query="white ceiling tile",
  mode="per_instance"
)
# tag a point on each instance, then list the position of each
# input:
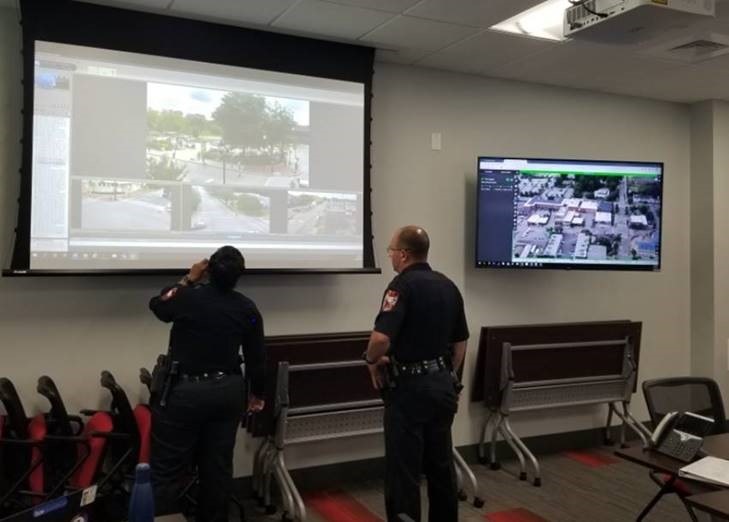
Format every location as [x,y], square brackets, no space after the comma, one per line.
[327,19]
[485,52]
[391,6]
[443,34]
[580,64]
[132,4]
[478,13]
[403,56]
[687,84]
[405,32]
[258,12]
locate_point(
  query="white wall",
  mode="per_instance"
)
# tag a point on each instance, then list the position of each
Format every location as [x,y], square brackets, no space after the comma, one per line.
[71,328]
[437,189]
[721,244]
[709,241]
[702,239]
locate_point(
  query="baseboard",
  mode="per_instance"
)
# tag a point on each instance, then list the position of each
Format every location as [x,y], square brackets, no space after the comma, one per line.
[335,475]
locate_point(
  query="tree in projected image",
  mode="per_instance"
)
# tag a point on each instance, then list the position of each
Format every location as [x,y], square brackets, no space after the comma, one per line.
[165,169]
[279,132]
[254,133]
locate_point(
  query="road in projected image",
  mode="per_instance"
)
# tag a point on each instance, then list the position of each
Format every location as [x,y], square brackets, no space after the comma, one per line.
[113,205]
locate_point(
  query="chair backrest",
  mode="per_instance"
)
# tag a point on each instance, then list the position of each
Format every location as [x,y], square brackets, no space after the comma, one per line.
[15,460]
[92,452]
[126,450]
[121,409]
[16,421]
[58,419]
[695,394]
[145,378]
[144,422]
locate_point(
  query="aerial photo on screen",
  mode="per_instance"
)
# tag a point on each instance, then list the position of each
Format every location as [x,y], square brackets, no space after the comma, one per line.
[593,218]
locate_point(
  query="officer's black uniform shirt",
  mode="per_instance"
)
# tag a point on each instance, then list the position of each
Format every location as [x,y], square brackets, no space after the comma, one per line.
[422,314]
[209,328]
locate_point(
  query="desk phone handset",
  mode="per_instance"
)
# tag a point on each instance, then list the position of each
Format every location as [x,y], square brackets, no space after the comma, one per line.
[680,435]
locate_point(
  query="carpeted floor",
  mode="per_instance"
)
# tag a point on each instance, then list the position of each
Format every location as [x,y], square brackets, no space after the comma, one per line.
[584,486]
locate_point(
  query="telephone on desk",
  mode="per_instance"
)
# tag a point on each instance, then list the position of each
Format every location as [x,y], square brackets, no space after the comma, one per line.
[681,435]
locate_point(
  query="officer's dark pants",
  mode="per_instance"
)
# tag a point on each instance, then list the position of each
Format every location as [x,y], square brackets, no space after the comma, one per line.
[418,417]
[198,427]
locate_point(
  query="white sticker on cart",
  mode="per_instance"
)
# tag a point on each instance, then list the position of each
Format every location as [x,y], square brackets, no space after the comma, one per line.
[88,496]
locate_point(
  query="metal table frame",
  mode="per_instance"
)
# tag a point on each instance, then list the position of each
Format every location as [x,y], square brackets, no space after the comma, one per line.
[615,390]
[335,420]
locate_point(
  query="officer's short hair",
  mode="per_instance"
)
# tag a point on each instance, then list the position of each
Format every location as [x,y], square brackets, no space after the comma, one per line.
[415,240]
[226,265]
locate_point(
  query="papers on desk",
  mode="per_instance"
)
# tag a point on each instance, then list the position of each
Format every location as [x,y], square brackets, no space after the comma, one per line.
[709,469]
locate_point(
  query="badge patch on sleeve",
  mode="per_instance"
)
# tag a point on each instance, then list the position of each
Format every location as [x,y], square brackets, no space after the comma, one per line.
[390,300]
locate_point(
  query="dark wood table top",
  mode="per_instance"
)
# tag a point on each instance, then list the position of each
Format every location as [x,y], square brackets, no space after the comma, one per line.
[714,502]
[714,445]
[709,499]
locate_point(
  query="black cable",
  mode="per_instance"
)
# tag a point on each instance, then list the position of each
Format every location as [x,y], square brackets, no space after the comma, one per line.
[583,4]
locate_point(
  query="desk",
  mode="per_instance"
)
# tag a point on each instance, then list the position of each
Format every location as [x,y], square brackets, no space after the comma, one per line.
[715,503]
[714,445]
[706,497]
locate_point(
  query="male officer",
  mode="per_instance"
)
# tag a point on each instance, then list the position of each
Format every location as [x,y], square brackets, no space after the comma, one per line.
[420,339]
[198,422]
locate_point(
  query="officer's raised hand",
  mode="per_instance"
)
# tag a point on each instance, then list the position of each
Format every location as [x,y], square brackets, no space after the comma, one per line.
[197,271]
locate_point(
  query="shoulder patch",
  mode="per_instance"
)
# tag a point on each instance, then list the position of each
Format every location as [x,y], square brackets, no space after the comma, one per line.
[390,300]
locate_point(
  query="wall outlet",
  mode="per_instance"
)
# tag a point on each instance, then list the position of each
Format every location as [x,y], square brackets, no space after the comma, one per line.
[435,141]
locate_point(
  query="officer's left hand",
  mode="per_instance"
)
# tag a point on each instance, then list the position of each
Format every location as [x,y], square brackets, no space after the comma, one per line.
[376,372]
[255,404]
[197,271]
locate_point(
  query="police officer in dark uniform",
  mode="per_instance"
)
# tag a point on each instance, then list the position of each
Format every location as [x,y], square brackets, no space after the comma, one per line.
[418,342]
[196,422]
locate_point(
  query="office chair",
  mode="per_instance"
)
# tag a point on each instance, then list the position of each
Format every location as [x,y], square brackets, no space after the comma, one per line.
[125,445]
[61,457]
[695,394]
[22,441]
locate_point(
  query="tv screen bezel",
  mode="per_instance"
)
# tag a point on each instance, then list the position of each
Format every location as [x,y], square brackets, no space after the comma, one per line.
[571,266]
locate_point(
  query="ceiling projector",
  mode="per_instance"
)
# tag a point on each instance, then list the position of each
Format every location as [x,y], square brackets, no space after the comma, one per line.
[631,21]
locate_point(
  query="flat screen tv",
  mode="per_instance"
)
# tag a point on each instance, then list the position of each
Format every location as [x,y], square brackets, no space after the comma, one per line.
[569,214]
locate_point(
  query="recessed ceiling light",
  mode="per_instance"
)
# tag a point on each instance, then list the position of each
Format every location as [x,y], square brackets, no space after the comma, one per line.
[541,21]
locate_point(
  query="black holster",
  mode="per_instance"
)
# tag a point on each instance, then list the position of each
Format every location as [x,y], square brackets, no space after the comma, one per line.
[457,384]
[390,374]
[164,376]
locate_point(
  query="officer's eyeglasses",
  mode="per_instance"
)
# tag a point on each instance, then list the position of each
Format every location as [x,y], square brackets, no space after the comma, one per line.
[393,249]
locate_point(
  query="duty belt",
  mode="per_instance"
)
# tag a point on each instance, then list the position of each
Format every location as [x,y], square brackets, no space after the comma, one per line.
[205,376]
[422,367]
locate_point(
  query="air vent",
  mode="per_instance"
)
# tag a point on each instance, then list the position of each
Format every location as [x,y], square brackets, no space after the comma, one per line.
[701,46]
[692,48]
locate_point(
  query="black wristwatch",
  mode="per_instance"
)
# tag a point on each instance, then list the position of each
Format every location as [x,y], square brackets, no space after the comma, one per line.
[365,359]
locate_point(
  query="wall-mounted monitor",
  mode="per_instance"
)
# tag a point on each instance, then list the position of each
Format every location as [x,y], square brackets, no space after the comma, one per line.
[579,214]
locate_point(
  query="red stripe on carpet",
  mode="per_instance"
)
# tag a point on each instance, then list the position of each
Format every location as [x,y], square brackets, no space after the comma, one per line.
[336,506]
[514,515]
[591,459]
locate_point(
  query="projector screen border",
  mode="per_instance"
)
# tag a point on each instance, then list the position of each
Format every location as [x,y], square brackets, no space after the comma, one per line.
[10,272]
[106,27]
